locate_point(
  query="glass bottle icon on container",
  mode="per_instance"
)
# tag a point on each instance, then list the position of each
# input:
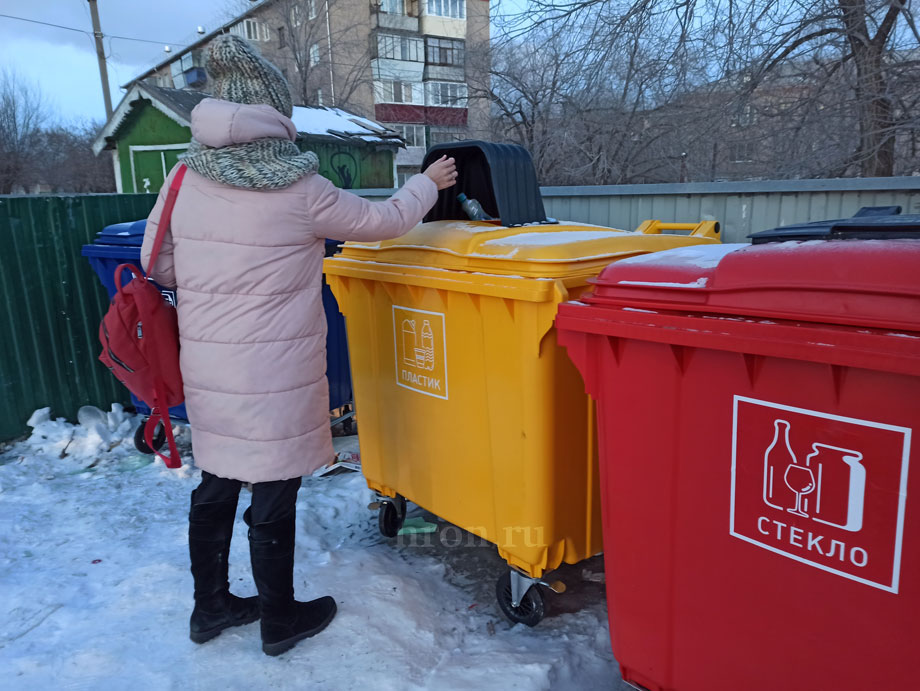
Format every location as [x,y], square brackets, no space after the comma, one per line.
[778,457]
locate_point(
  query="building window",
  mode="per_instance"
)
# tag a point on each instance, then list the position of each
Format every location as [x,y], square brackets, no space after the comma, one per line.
[251,30]
[413,134]
[445,135]
[311,7]
[393,6]
[741,152]
[282,37]
[442,51]
[400,48]
[391,91]
[319,97]
[178,77]
[744,117]
[448,94]
[296,16]
[314,55]
[402,176]
[455,9]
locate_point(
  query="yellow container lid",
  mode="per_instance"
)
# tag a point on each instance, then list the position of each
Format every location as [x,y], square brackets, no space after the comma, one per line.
[545,250]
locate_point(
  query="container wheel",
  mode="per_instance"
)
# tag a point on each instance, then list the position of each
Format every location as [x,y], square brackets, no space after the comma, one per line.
[159,438]
[391,516]
[531,609]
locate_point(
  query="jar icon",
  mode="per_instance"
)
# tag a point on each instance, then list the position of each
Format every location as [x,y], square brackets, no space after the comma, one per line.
[841,486]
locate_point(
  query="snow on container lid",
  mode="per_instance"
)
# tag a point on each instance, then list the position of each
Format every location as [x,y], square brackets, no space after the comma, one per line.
[130,233]
[865,283]
[552,251]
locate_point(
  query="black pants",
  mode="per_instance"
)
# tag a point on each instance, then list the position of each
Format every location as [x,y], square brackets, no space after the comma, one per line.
[271,501]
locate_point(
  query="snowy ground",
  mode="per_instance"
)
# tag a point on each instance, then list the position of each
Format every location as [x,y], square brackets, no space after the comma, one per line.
[95,591]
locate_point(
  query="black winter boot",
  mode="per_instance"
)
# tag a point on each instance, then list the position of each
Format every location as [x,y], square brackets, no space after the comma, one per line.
[210,528]
[284,620]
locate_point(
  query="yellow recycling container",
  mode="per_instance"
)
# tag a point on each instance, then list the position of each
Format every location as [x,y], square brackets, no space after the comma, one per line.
[467,405]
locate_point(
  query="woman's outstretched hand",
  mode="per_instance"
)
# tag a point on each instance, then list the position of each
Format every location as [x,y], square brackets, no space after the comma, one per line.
[443,172]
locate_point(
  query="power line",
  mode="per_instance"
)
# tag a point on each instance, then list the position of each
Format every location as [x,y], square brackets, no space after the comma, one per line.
[87,33]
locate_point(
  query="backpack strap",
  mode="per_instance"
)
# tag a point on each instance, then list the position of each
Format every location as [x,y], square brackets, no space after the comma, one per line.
[166,216]
[159,413]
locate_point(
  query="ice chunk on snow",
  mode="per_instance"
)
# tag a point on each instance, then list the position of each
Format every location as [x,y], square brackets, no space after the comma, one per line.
[39,416]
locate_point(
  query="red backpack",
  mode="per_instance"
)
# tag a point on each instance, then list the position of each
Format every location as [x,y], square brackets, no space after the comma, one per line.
[140,339]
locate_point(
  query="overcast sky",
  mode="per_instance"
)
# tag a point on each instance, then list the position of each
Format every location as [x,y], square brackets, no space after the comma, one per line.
[63,63]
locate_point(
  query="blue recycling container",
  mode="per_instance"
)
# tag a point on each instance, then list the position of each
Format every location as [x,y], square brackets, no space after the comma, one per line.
[121,244]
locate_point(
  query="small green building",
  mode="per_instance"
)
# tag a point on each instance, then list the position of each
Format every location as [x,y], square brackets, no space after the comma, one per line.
[151,128]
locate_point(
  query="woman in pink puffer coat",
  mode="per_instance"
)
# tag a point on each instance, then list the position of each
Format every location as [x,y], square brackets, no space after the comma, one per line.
[245,254]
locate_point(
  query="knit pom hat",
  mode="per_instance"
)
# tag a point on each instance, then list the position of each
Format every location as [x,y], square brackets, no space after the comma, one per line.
[240,74]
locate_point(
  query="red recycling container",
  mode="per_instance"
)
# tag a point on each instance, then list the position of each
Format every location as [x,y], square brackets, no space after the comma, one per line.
[756,416]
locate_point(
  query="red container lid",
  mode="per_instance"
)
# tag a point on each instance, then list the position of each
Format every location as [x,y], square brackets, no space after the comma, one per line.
[873,283]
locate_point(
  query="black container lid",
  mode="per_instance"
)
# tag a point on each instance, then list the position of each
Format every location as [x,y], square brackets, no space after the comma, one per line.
[501,177]
[869,223]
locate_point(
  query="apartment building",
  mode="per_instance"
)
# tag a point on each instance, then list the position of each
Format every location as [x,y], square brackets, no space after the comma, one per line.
[421,67]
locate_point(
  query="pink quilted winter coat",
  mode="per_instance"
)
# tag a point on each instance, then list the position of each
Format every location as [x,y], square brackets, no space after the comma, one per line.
[247,266]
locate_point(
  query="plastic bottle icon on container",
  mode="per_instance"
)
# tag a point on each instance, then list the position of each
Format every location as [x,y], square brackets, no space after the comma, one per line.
[428,345]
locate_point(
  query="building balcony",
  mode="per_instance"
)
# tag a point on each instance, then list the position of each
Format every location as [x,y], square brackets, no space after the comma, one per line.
[419,114]
[400,22]
[432,25]
[399,70]
[444,73]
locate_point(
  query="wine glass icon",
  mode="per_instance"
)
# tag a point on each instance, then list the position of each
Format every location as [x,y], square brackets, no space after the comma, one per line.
[800,480]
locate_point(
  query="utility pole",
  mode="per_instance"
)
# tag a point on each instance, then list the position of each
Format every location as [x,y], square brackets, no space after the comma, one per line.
[100,55]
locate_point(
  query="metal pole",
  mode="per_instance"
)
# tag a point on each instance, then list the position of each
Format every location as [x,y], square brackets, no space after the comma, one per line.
[100,55]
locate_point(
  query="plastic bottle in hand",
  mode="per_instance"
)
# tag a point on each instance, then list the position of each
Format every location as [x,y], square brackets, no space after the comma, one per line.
[473,208]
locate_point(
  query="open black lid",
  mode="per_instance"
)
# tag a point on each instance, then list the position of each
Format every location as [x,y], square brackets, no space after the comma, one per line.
[501,177]
[870,222]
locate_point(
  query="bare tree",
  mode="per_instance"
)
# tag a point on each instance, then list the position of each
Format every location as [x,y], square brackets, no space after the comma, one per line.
[839,57]
[597,104]
[64,160]
[23,112]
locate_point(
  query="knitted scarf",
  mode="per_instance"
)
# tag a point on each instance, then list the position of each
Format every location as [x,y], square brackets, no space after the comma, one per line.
[261,164]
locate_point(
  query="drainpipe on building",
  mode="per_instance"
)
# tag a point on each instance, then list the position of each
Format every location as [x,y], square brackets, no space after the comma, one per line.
[329,41]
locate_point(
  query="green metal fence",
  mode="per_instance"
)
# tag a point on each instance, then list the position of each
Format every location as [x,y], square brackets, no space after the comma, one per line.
[51,303]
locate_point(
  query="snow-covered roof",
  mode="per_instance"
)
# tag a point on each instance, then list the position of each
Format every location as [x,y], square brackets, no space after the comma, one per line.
[340,124]
[329,123]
